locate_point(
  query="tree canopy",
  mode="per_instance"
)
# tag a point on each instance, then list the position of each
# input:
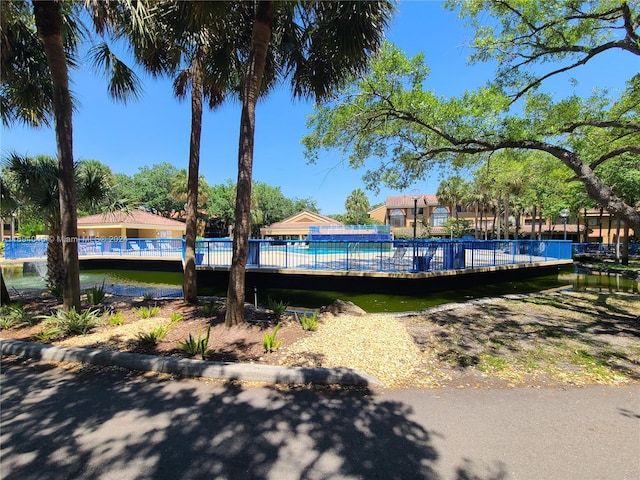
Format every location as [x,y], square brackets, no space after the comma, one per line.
[387,114]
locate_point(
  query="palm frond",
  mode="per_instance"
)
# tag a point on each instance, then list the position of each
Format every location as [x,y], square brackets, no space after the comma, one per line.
[124,84]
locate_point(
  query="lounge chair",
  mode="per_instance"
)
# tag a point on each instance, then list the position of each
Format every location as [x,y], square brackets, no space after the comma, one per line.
[397,259]
[133,247]
[151,247]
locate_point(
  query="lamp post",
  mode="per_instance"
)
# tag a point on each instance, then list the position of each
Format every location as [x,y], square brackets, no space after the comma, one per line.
[415,193]
[564,213]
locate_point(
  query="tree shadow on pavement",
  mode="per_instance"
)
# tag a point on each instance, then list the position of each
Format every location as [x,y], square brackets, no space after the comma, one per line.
[91,422]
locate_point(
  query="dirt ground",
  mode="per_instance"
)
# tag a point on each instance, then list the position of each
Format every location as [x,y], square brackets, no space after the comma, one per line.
[553,339]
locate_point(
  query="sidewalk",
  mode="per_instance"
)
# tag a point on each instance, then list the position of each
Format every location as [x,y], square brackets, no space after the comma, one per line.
[85,423]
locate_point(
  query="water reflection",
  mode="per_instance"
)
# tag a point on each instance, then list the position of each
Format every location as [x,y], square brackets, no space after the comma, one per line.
[584,280]
[137,283]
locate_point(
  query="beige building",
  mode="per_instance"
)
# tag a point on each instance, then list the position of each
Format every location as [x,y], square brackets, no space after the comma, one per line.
[296,227]
[133,224]
[399,211]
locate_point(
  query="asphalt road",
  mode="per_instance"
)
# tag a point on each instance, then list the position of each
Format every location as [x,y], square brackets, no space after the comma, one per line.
[98,424]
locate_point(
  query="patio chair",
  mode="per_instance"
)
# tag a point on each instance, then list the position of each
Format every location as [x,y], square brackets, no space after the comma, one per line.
[151,247]
[397,259]
[133,247]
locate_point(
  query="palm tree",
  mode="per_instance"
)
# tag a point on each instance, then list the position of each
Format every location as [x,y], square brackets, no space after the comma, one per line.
[36,185]
[8,205]
[58,28]
[451,192]
[198,43]
[357,206]
[36,181]
[321,44]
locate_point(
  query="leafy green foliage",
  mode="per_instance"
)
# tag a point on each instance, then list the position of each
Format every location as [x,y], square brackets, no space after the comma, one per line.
[116,319]
[153,336]
[152,188]
[195,346]
[270,342]
[309,322]
[147,297]
[68,323]
[388,115]
[14,316]
[146,312]
[95,295]
[157,333]
[175,317]
[211,308]
[278,306]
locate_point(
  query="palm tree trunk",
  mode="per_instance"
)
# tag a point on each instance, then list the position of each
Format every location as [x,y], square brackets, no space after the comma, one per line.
[190,290]
[55,262]
[48,18]
[260,38]
[4,293]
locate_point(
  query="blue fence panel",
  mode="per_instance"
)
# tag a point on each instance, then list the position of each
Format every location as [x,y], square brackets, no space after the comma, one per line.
[368,256]
[16,249]
[603,248]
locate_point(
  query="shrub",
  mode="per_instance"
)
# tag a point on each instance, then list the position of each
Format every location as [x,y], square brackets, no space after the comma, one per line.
[68,323]
[147,297]
[195,346]
[175,317]
[14,316]
[146,312]
[270,342]
[153,336]
[211,308]
[278,307]
[309,323]
[95,295]
[117,319]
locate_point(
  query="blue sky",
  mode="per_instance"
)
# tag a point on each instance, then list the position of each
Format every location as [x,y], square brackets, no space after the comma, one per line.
[156,128]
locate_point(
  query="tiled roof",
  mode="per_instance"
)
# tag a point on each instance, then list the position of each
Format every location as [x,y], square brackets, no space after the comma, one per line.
[407,201]
[305,218]
[133,217]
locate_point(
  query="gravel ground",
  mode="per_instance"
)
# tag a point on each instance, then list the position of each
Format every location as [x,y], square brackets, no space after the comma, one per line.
[538,340]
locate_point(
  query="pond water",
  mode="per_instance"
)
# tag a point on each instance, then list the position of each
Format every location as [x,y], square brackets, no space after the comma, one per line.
[169,284]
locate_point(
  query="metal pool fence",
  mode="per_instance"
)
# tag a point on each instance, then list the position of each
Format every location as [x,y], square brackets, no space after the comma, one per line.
[365,256]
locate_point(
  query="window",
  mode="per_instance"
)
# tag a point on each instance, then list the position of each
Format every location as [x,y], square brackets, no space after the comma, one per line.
[440,215]
[420,211]
[396,218]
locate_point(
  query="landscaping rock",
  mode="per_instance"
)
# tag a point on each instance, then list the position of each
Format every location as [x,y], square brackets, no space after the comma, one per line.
[340,307]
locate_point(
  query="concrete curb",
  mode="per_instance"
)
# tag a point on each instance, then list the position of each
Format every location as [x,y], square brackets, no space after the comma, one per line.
[188,367]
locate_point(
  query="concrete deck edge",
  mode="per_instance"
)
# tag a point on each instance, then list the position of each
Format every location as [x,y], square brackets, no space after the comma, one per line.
[188,367]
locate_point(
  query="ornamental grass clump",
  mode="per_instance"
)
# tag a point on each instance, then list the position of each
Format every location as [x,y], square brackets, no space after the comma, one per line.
[211,308]
[116,319]
[68,323]
[153,336]
[95,295]
[270,342]
[309,322]
[146,312]
[278,307]
[157,333]
[14,316]
[195,346]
